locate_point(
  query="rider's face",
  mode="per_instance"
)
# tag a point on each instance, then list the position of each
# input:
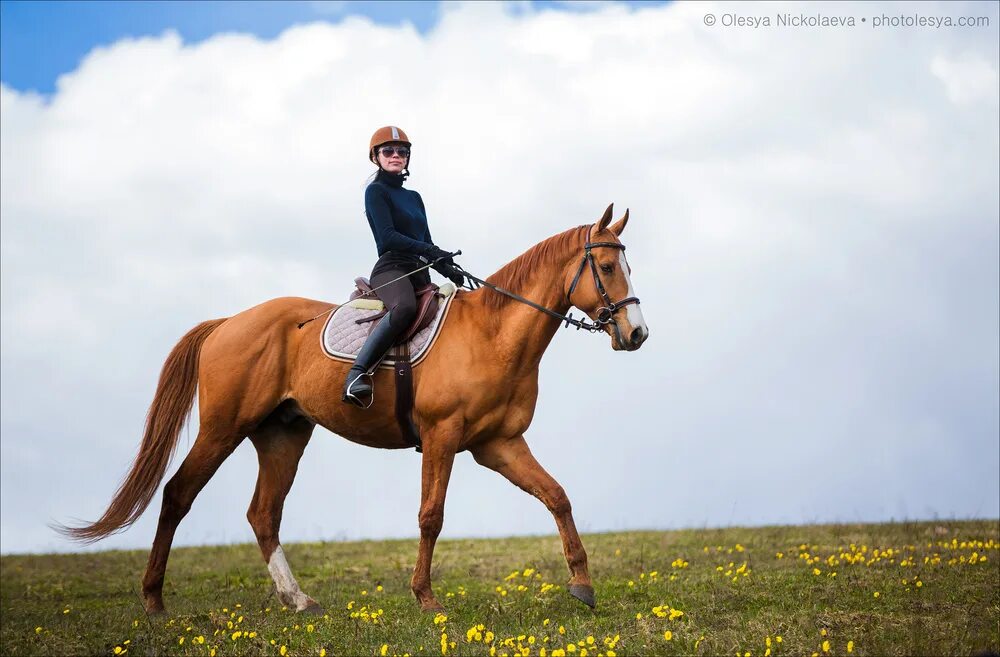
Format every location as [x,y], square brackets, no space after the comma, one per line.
[390,159]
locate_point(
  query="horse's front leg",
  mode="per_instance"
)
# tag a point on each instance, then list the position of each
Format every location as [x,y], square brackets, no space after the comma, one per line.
[439,448]
[512,458]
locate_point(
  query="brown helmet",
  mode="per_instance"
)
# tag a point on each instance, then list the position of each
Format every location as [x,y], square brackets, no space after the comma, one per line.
[384,136]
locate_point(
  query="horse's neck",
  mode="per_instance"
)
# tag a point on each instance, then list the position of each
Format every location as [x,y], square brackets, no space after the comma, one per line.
[520,333]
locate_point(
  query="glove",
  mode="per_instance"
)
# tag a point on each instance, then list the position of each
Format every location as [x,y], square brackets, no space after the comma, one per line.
[449,270]
[434,252]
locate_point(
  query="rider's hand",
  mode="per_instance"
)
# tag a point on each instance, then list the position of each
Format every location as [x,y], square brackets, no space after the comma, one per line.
[448,269]
[434,252]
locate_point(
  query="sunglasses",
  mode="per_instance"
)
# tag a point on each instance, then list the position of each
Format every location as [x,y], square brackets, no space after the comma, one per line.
[401,151]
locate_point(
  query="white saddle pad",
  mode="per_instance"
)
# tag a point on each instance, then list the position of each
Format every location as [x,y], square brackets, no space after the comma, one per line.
[342,338]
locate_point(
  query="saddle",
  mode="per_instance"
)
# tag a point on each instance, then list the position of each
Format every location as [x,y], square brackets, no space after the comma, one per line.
[427,307]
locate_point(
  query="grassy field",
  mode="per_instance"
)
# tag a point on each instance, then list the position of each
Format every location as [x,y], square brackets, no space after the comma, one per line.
[887,589]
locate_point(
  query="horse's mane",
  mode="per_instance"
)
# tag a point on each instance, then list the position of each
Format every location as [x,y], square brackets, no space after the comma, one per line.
[515,274]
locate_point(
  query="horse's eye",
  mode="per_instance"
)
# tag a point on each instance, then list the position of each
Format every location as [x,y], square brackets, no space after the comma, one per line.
[607,269]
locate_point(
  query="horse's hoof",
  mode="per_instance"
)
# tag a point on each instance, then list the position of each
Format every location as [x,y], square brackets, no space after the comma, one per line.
[583,593]
[433,605]
[313,609]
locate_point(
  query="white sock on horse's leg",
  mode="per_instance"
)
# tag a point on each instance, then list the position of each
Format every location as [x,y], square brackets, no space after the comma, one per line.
[288,589]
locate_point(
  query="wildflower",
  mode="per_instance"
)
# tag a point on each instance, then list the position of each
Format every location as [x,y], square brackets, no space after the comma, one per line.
[876,594]
[310,628]
[283,650]
[66,610]
[440,619]
[545,623]
[379,588]
[38,630]
[199,639]
[322,652]
[251,635]
[668,635]
[562,630]
[384,650]
[826,646]
[180,641]
[822,632]
[850,646]
[118,650]
[237,634]
[212,653]
[778,638]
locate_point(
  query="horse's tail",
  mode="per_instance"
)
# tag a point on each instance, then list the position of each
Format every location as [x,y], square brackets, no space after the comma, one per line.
[171,405]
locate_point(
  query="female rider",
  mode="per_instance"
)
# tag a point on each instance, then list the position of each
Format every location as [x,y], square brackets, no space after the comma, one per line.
[399,224]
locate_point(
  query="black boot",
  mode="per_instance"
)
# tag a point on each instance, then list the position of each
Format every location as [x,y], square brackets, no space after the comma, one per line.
[358,388]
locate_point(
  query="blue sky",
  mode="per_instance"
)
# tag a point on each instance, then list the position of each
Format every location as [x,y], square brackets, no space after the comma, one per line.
[41,40]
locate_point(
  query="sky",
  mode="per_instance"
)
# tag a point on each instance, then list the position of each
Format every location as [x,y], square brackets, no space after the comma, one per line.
[814,234]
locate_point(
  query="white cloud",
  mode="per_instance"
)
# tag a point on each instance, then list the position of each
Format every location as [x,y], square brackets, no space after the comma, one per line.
[813,237]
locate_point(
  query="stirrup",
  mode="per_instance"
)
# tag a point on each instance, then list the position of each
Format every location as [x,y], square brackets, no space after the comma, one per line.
[351,398]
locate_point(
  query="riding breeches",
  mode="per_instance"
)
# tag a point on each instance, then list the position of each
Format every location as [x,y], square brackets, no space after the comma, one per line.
[399,297]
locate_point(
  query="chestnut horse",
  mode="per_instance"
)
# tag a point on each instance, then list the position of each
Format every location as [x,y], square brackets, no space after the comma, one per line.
[258,375]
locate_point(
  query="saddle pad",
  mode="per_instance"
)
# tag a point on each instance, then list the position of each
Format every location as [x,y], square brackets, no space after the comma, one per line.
[342,338]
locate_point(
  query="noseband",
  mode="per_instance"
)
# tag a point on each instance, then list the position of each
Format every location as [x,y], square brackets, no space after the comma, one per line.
[605,312]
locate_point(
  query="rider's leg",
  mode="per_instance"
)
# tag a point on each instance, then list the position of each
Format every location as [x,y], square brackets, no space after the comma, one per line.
[399,299]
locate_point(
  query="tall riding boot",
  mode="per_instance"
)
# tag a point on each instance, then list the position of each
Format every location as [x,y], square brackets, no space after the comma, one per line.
[359,388]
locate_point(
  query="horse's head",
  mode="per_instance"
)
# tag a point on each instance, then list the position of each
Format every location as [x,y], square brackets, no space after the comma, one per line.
[599,285]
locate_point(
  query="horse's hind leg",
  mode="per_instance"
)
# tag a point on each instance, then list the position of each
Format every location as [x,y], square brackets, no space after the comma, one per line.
[210,449]
[279,444]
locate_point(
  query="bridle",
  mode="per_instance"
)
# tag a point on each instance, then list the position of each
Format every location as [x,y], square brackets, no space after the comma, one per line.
[604,313]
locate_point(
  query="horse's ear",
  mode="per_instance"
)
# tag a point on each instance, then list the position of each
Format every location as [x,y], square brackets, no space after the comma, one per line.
[619,225]
[606,219]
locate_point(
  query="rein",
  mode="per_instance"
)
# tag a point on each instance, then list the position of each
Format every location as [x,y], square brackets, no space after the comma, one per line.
[604,313]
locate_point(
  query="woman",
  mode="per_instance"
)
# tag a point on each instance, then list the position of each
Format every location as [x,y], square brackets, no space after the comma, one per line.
[399,223]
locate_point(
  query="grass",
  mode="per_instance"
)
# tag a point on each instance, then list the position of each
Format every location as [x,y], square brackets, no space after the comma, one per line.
[938,594]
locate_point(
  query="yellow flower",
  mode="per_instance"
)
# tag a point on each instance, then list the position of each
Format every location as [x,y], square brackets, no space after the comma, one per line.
[379,588]
[668,635]
[826,646]
[876,594]
[385,649]
[778,638]
[118,650]
[283,650]
[322,652]
[590,641]
[237,634]
[38,630]
[66,610]
[309,628]
[638,616]
[850,646]
[180,641]
[822,632]
[212,654]
[562,630]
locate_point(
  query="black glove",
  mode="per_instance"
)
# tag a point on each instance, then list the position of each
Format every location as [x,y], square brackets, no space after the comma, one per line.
[434,252]
[449,270]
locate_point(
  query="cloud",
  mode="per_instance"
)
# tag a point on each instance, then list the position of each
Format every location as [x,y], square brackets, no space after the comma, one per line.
[813,237]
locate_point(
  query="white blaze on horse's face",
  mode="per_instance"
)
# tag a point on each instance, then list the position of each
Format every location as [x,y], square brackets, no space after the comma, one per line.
[633,312]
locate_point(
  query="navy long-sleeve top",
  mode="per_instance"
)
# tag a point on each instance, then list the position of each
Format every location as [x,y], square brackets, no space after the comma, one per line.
[396,216]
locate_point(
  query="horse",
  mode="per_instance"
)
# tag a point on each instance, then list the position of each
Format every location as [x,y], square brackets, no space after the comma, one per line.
[258,374]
